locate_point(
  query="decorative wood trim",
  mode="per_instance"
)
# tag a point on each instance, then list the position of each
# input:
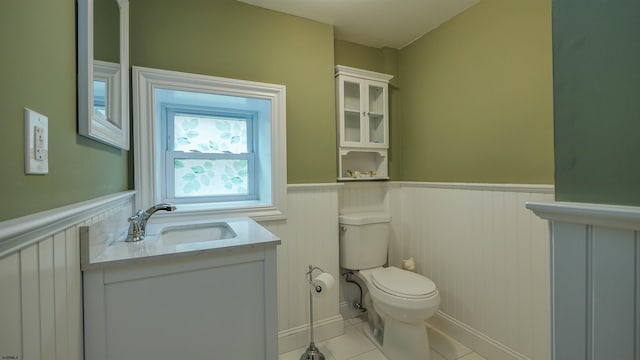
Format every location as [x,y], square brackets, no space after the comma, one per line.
[636,350]
[298,336]
[530,188]
[19,233]
[613,216]
[365,74]
[314,187]
[478,341]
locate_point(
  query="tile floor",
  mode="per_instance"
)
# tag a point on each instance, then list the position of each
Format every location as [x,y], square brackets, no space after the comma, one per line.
[354,345]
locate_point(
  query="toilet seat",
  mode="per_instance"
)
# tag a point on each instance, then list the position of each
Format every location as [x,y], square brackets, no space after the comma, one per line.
[402,283]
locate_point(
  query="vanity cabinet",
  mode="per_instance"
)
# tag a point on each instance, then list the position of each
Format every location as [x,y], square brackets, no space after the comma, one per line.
[196,306]
[192,299]
[363,123]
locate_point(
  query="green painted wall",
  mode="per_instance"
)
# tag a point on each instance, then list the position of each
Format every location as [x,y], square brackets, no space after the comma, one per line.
[596,62]
[476,97]
[230,39]
[383,60]
[106,30]
[38,72]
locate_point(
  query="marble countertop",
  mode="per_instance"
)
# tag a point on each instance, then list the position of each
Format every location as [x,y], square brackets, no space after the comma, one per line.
[101,247]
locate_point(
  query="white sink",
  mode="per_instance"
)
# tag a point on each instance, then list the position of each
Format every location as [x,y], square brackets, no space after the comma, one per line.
[193,233]
[169,238]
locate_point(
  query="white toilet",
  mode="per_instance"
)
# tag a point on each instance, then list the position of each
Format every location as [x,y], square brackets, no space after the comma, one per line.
[402,300]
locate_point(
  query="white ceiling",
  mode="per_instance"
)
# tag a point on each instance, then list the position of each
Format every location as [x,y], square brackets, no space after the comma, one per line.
[376,23]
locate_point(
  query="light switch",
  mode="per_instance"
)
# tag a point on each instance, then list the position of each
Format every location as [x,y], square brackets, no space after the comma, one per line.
[36,143]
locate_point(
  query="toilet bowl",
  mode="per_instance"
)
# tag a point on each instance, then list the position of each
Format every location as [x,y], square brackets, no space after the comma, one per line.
[401,294]
[400,300]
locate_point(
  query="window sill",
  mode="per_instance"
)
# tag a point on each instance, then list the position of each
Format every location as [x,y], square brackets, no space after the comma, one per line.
[254,209]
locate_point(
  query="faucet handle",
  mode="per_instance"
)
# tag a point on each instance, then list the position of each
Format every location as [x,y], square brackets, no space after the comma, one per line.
[135,218]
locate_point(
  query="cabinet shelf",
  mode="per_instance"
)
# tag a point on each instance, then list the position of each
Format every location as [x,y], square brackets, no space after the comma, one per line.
[368,178]
[362,164]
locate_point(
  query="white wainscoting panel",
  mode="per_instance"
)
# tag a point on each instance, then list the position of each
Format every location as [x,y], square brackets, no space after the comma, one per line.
[363,196]
[309,237]
[486,253]
[40,281]
[489,258]
[595,280]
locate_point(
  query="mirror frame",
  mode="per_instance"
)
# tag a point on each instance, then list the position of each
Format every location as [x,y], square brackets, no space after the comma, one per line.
[89,125]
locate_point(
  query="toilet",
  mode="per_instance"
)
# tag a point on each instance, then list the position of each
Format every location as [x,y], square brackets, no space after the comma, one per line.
[399,301]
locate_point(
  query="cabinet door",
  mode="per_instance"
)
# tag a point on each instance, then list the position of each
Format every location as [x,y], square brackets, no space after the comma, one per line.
[351,125]
[376,119]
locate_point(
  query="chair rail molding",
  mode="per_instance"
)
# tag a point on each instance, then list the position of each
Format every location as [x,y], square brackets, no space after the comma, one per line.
[21,232]
[613,216]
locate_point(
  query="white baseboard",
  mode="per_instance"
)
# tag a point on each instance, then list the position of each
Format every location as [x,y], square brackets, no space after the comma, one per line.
[299,336]
[473,339]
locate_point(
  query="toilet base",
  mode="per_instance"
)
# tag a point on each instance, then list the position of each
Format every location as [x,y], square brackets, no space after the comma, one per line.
[402,341]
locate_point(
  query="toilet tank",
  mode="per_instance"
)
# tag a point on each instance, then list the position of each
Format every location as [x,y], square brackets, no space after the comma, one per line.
[364,240]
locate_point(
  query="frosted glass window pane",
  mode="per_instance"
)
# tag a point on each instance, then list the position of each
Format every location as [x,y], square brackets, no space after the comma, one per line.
[207,134]
[206,177]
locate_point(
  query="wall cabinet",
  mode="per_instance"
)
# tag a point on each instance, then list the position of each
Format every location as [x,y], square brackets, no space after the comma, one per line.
[363,123]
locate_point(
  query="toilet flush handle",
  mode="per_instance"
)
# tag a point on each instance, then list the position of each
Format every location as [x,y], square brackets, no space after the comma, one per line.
[343,228]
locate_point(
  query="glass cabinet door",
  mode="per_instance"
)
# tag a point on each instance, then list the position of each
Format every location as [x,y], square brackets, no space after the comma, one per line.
[376,114]
[352,109]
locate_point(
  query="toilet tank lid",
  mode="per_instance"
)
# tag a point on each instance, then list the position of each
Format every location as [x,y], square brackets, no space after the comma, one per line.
[363,218]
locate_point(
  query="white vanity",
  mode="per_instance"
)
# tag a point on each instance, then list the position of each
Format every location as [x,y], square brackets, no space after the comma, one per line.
[190,290]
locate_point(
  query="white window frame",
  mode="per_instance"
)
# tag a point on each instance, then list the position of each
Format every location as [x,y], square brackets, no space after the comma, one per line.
[170,155]
[149,155]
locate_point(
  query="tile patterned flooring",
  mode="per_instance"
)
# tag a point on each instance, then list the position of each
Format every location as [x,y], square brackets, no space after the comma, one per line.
[354,345]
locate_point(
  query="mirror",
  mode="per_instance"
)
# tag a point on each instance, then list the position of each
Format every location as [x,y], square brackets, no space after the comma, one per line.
[103,71]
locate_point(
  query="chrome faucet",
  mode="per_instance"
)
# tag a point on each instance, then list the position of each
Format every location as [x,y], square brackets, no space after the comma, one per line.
[138,222]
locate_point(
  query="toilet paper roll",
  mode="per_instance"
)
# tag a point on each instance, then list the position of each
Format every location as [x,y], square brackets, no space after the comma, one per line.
[321,284]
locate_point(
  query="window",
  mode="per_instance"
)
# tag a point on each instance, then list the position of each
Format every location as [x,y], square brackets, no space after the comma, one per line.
[210,145]
[209,154]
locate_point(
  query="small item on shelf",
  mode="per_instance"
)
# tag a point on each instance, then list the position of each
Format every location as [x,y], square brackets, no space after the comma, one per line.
[349,173]
[356,174]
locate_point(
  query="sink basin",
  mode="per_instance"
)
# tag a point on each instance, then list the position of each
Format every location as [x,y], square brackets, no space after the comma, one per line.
[181,234]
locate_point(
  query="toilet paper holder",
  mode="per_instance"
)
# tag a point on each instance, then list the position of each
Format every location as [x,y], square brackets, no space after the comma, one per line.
[312,352]
[318,287]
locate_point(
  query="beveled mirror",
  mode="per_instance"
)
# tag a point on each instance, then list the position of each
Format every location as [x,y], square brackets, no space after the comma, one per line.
[103,71]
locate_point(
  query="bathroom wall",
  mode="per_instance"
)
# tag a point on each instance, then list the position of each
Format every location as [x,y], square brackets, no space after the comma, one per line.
[488,255]
[309,237]
[41,310]
[230,39]
[39,72]
[596,53]
[41,282]
[476,97]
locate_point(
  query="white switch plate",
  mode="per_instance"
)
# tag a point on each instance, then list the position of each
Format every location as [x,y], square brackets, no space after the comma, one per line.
[36,143]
